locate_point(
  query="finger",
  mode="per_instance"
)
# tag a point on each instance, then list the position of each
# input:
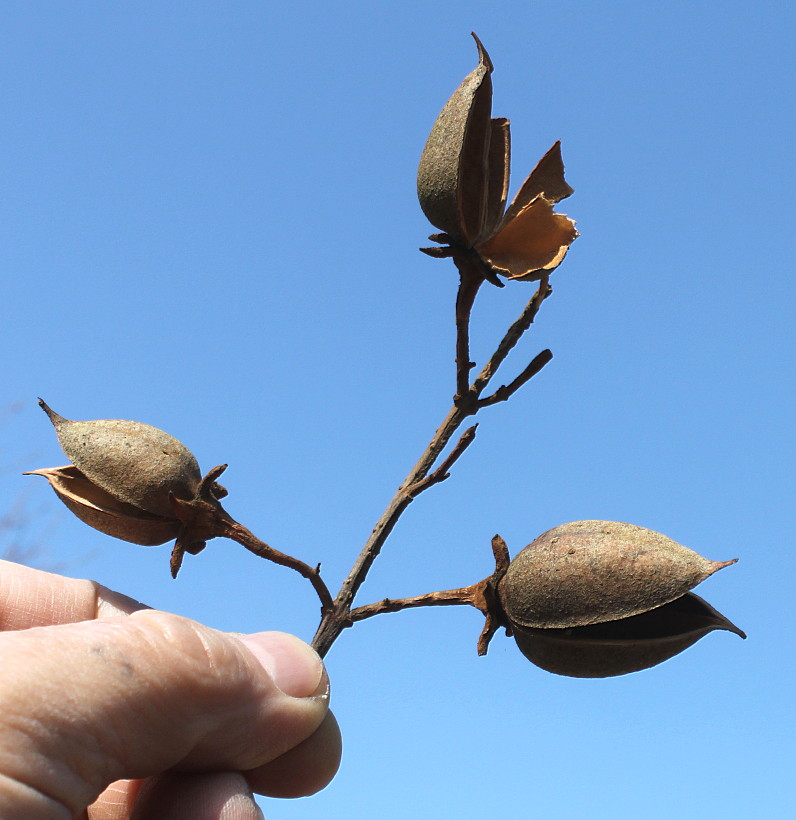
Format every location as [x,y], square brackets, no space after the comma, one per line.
[208,796]
[30,597]
[305,769]
[116,802]
[89,703]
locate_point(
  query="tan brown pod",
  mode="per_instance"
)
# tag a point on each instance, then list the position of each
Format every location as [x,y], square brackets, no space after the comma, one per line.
[589,572]
[463,182]
[134,462]
[626,645]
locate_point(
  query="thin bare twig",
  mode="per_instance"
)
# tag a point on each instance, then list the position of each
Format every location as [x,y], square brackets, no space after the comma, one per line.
[449,597]
[237,532]
[443,471]
[505,392]
[483,596]
[513,335]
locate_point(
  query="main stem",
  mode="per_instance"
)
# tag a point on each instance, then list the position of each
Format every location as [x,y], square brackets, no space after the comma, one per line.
[467,403]
[335,619]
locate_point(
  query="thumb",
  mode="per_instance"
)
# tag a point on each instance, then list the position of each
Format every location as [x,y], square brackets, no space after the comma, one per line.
[88,703]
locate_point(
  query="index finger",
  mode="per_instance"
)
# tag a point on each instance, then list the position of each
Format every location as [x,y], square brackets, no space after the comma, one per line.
[30,597]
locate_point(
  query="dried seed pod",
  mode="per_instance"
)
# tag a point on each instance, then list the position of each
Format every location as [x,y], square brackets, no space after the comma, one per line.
[133,462]
[100,510]
[626,645]
[589,572]
[463,180]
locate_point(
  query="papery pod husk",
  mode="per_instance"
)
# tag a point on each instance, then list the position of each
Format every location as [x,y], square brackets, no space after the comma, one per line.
[588,572]
[100,510]
[531,238]
[626,645]
[465,152]
[134,462]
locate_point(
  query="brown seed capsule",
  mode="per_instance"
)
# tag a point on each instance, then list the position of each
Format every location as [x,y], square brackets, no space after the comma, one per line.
[589,572]
[133,462]
[463,180]
[623,646]
[124,479]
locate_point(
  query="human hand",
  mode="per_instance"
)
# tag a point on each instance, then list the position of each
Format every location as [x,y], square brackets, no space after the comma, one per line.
[112,711]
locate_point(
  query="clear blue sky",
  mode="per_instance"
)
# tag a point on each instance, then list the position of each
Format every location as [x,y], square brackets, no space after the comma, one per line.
[208,223]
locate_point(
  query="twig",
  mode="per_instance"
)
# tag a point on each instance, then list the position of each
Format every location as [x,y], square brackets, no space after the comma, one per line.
[237,532]
[513,335]
[203,518]
[470,280]
[442,472]
[505,392]
[449,597]
[483,596]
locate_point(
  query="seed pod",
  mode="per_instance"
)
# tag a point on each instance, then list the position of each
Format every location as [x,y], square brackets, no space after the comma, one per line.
[589,572]
[132,462]
[463,180]
[100,510]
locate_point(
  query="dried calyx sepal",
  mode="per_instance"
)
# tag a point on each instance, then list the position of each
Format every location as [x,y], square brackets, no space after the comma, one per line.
[463,181]
[139,484]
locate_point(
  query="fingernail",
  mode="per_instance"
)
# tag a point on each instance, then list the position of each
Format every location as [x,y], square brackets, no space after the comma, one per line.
[293,665]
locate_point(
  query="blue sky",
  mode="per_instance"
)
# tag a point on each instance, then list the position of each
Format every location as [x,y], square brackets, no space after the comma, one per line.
[209,224]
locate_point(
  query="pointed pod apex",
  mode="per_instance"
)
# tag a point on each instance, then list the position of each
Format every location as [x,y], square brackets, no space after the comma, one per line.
[717,565]
[53,416]
[483,56]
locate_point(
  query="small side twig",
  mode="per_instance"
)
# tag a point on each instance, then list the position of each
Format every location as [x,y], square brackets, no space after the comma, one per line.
[204,518]
[483,596]
[513,335]
[449,597]
[443,471]
[505,392]
[237,532]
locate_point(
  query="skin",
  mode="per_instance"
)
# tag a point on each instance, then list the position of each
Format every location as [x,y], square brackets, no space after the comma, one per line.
[113,711]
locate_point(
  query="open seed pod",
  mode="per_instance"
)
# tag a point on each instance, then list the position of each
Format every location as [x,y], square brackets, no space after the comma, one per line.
[463,180]
[622,646]
[590,572]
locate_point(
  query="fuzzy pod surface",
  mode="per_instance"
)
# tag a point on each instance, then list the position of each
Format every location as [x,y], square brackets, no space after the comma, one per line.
[133,462]
[590,572]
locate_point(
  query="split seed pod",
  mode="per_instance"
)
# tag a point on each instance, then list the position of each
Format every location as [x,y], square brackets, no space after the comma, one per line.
[463,181]
[122,476]
[598,598]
